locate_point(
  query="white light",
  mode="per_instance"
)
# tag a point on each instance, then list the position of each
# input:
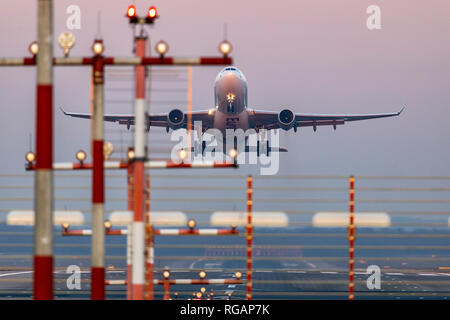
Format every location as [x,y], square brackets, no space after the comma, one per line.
[238,275]
[108,149]
[162,47]
[225,47]
[33,48]
[232,153]
[30,157]
[182,154]
[108,224]
[202,274]
[130,155]
[97,47]
[166,274]
[80,155]
[191,223]
[210,112]
[66,41]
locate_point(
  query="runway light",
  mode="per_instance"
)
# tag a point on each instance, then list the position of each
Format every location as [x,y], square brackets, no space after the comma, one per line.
[232,153]
[33,48]
[166,273]
[97,47]
[131,12]
[182,154]
[65,226]
[199,295]
[225,47]
[191,224]
[81,156]
[30,157]
[66,41]
[107,225]
[203,290]
[202,274]
[161,47]
[130,155]
[152,13]
[108,149]
[238,275]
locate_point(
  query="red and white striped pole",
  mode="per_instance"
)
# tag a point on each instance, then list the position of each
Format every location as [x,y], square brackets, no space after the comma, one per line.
[98,194]
[130,184]
[351,240]
[43,188]
[149,244]
[249,236]
[138,261]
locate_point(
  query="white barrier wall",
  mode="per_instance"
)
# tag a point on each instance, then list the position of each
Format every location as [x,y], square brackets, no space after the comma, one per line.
[259,218]
[341,219]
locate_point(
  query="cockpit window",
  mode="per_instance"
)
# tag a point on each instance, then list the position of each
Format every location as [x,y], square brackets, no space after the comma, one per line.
[230,69]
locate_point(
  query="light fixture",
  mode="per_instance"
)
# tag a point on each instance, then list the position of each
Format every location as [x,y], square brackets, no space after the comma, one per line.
[107,225]
[33,48]
[108,149]
[97,47]
[225,47]
[81,156]
[162,47]
[66,41]
[130,154]
[232,153]
[152,12]
[182,154]
[238,275]
[203,290]
[166,273]
[30,157]
[210,112]
[65,226]
[202,274]
[199,295]
[191,224]
[131,12]
[233,228]
[229,296]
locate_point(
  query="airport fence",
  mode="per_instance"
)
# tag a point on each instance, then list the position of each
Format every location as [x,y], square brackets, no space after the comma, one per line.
[300,238]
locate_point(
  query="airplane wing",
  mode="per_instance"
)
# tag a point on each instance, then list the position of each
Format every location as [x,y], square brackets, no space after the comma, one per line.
[155,120]
[269,119]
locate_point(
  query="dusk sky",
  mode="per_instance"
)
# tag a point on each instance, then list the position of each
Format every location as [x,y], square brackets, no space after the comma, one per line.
[310,56]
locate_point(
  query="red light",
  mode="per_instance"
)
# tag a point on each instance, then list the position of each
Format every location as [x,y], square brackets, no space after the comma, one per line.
[152,12]
[131,12]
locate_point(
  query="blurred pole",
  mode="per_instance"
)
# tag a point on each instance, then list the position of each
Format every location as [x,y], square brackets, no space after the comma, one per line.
[351,239]
[43,188]
[249,236]
[189,115]
[130,184]
[98,188]
[138,268]
[148,244]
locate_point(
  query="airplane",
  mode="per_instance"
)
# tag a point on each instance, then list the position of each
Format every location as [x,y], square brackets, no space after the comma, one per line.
[231,112]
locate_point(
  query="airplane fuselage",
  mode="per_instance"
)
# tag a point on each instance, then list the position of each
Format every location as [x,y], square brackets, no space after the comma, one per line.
[231,100]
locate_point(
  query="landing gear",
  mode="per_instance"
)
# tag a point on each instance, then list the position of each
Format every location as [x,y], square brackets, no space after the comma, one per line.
[262,148]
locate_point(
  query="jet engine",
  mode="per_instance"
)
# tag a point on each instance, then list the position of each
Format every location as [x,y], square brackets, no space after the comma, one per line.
[175,118]
[286,119]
